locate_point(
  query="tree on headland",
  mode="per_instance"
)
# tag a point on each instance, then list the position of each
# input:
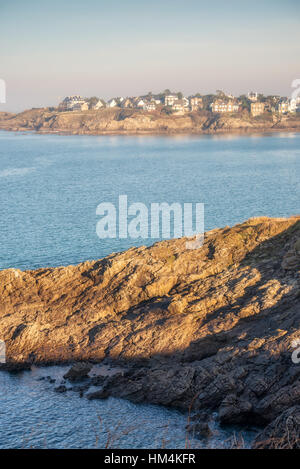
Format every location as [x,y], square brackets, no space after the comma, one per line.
[167,110]
[244,102]
[207,100]
[261,98]
[92,101]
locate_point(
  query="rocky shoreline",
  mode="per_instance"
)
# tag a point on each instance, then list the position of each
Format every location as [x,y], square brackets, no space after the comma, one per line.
[212,329]
[138,122]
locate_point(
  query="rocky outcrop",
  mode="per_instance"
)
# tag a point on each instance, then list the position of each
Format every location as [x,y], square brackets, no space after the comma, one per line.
[212,328]
[133,121]
[78,371]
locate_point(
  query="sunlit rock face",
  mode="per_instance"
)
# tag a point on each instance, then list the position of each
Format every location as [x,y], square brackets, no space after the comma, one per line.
[214,326]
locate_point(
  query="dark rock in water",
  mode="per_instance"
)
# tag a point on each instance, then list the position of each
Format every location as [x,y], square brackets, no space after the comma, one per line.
[15,367]
[80,387]
[97,393]
[282,433]
[62,388]
[78,371]
[166,385]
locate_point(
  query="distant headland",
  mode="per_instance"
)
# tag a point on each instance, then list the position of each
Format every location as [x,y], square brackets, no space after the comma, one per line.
[163,113]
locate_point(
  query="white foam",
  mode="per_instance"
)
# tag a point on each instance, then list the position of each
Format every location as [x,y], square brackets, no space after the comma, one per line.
[16,172]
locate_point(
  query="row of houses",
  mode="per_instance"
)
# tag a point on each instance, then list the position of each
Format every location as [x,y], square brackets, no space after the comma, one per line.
[257,106]
[179,104]
[174,102]
[284,106]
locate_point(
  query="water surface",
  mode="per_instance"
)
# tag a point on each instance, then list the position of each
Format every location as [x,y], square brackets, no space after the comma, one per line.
[50,186]
[33,415]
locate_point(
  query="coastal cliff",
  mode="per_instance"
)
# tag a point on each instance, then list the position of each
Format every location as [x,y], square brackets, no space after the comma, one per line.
[213,328]
[125,121]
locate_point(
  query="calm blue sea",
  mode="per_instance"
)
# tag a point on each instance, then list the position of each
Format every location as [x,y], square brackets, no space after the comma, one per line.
[50,186]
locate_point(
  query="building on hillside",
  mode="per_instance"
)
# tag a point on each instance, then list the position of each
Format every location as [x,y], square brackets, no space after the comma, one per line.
[81,106]
[186,102]
[283,107]
[195,103]
[257,108]
[253,96]
[127,103]
[100,104]
[112,102]
[170,99]
[149,106]
[179,106]
[220,106]
[140,103]
[294,104]
[72,103]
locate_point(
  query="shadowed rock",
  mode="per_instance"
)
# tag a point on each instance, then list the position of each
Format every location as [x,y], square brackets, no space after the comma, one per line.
[282,433]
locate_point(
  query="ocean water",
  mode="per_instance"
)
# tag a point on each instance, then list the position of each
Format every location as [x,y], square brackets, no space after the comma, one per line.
[33,415]
[50,187]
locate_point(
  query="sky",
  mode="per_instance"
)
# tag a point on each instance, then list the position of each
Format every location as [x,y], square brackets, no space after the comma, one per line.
[51,49]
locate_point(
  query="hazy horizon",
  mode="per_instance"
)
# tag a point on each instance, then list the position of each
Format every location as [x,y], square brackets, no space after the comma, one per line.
[130,48]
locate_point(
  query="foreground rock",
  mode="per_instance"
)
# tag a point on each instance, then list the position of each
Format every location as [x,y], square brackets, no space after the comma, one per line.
[206,329]
[15,367]
[78,371]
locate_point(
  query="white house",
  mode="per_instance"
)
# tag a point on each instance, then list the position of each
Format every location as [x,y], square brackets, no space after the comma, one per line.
[112,102]
[150,106]
[73,103]
[140,103]
[98,105]
[170,99]
[294,104]
[186,102]
[80,106]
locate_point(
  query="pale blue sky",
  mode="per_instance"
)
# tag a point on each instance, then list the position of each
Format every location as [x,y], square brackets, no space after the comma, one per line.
[127,47]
